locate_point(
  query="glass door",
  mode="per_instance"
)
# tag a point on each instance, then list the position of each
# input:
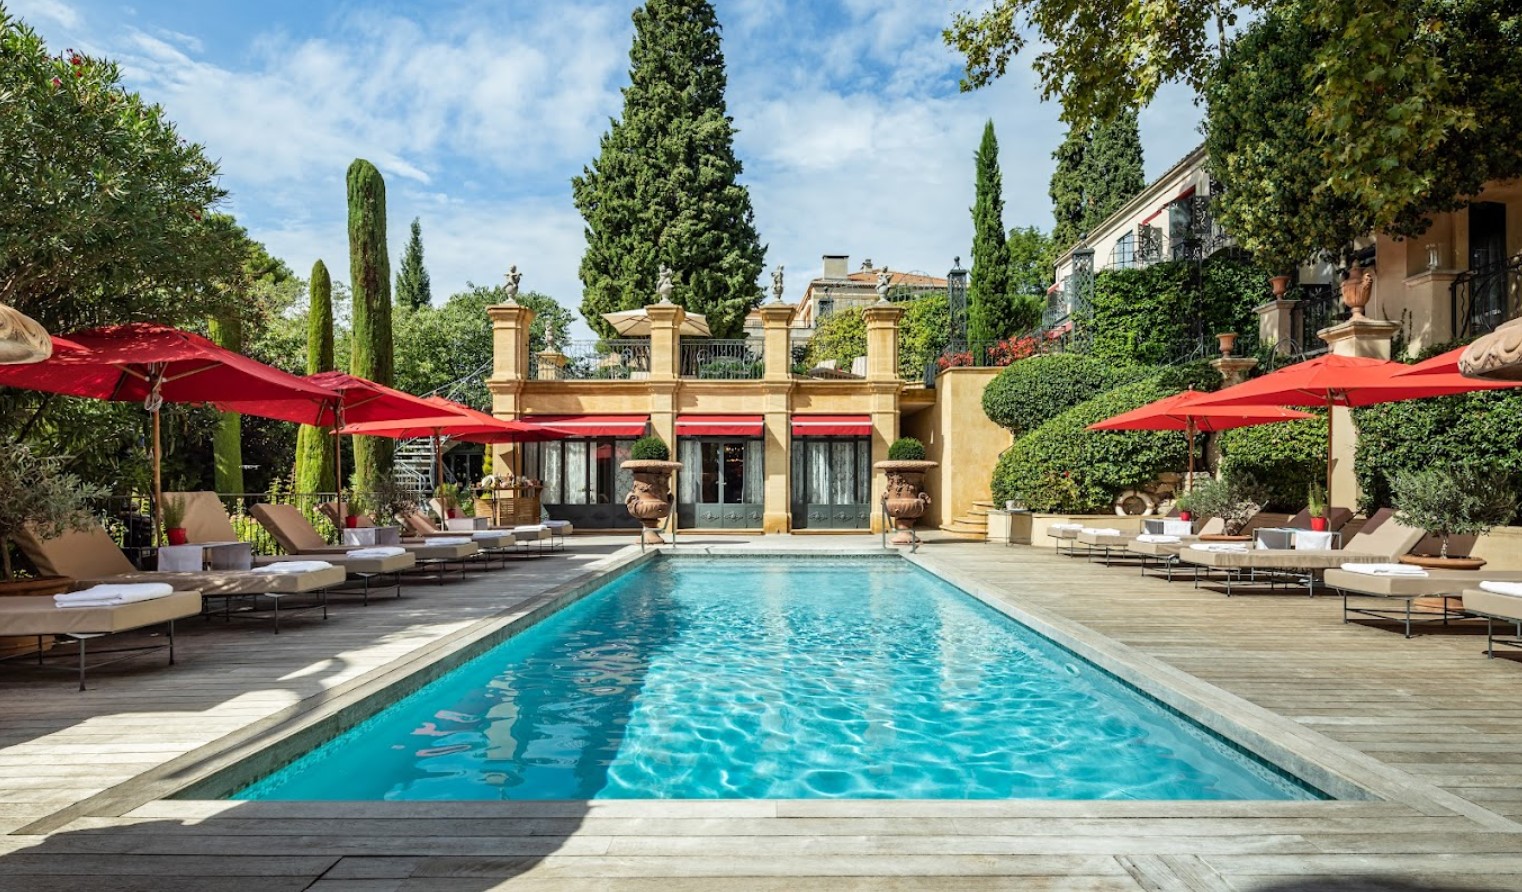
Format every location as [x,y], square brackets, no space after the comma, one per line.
[832,483]
[721,484]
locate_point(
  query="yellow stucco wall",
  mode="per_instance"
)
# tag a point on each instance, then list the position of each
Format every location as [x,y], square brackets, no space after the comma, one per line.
[960,437]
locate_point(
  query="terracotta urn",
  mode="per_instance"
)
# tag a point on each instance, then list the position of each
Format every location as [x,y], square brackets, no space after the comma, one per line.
[1280,284]
[1356,290]
[650,500]
[1227,341]
[905,498]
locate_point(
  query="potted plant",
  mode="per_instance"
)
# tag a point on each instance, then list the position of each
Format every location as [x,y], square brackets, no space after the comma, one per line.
[904,499]
[649,501]
[1316,506]
[351,508]
[449,500]
[386,500]
[1452,501]
[173,511]
[37,495]
[1233,501]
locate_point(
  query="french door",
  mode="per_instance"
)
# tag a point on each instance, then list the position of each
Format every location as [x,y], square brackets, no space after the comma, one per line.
[721,484]
[832,483]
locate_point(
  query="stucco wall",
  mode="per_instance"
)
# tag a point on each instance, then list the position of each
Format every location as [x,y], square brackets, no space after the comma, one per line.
[960,437]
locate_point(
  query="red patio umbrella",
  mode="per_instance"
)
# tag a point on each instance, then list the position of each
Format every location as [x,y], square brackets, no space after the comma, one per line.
[1348,381]
[478,427]
[1184,412]
[152,363]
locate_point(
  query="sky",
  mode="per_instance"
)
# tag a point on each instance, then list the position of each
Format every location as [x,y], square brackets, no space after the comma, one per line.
[853,133]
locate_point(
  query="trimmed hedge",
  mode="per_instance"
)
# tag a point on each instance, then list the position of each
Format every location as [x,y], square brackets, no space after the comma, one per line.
[906,449]
[1078,470]
[649,448]
[1033,391]
[1148,315]
[1284,459]
[1474,429]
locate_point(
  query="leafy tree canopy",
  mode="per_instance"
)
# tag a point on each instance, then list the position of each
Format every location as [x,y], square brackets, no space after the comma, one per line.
[103,207]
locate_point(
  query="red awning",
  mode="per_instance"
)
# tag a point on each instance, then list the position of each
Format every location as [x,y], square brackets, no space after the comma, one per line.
[593,425]
[832,425]
[718,426]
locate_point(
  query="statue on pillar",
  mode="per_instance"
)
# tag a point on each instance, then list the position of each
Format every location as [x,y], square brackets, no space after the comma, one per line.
[883,278]
[777,284]
[511,288]
[663,286]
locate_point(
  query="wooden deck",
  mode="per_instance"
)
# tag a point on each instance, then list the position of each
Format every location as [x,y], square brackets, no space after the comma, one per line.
[1429,724]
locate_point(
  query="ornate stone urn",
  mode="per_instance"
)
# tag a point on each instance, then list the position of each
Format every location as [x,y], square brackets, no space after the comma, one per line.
[1357,288]
[1280,284]
[650,500]
[905,498]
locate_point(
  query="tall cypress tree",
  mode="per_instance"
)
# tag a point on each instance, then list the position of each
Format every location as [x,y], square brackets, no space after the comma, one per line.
[370,283]
[226,330]
[412,286]
[990,313]
[315,471]
[663,188]
[1066,189]
[1112,169]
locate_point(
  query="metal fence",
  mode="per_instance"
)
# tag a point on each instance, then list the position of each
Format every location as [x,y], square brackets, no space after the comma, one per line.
[722,360]
[612,359]
[1486,296]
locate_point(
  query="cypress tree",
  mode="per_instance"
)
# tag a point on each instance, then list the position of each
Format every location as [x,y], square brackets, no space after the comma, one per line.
[663,188]
[990,313]
[1112,169]
[1066,189]
[370,282]
[226,330]
[412,286]
[314,447]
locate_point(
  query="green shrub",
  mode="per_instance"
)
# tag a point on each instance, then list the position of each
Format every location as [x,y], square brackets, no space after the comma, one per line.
[1286,458]
[923,334]
[1036,390]
[1482,428]
[1155,314]
[1450,501]
[649,448]
[841,336]
[906,449]
[1098,464]
[1233,500]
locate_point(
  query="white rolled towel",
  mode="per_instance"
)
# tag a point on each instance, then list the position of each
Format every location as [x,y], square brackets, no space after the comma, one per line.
[1065,526]
[293,567]
[377,551]
[114,591]
[490,535]
[1100,531]
[1513,589]
[1158,539]
[449,540]
[1222,547]
[1386,569]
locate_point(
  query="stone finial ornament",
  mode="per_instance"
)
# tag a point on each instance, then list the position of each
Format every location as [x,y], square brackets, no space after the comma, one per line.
[883,279]
[777,284]
[513,278]
[663,286]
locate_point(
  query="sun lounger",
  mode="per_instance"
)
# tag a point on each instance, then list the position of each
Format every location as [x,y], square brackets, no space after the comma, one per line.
[90,557]
[296,536]
[1493,603]
[1382,540]
[421,530]
[40,616]
[206,521]
[1386,582]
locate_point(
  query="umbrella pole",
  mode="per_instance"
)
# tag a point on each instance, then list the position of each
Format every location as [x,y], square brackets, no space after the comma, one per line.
[158,480]
[1329,452]
[1189,481]
[438,461]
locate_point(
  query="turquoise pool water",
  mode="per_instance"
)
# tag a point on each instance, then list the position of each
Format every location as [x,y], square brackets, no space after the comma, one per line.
[776,678]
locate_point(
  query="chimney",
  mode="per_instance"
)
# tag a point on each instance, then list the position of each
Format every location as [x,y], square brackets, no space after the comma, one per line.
[835,266]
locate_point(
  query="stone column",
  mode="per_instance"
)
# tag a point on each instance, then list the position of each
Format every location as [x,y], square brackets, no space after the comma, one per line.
[1360,336]
[882,375]
[510,369]
[776,322]
[1276,325]
[665,340]
[1429,296]
[551,365]
[882,341]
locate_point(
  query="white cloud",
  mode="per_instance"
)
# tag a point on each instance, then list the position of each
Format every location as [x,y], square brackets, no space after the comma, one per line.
[55,11]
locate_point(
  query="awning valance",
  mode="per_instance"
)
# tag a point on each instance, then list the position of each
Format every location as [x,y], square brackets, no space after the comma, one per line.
[719,426]
[594,425]
[832,425]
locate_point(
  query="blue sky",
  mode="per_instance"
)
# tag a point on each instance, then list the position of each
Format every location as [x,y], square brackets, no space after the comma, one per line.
[853,134]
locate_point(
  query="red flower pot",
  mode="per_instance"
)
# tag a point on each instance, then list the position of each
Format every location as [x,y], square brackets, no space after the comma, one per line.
[1185,515]
[1318,524]
[351,521]
[177,536]
[451,513]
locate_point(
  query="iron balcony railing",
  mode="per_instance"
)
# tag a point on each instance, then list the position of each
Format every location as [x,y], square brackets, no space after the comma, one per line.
[722,360]
[612,359]
[1320,307]
[1487,296]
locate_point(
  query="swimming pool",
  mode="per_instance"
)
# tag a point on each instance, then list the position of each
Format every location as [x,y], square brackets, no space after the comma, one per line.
[703,678]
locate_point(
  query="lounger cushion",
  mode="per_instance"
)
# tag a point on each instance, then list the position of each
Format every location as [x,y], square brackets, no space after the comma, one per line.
[236,582]
[427,552]
[90,554]
[390,564]
[30,615]
[1279,558]
[1114,539]
[1436,582]
[1156,549]
[1489,603]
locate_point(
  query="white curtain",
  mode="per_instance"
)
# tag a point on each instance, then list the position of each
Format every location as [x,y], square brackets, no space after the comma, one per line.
[576,472]
[755,472]
[554,489]
[819,472]
[623,481]
[863,470]
[842,456]
[692,471]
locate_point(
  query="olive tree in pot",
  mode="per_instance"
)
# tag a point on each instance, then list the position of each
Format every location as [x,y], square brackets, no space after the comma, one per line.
[38,496]
[1452,501]
[1231,500]
[649,501]
[905,498]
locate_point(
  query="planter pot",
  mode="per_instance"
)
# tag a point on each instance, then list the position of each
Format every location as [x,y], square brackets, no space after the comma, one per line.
[351,521]
[177,535]
[650,500]
[1228,342]
[1185,515]
[1222,537]
[1319,523]
[1356,290]
[1280,284]
[1433,562]
[905,499]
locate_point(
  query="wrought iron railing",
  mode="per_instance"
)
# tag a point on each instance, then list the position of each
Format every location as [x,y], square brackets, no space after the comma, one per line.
[1320,306]
[612,359]
[722,360]
[1487,296]
[1002,353]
